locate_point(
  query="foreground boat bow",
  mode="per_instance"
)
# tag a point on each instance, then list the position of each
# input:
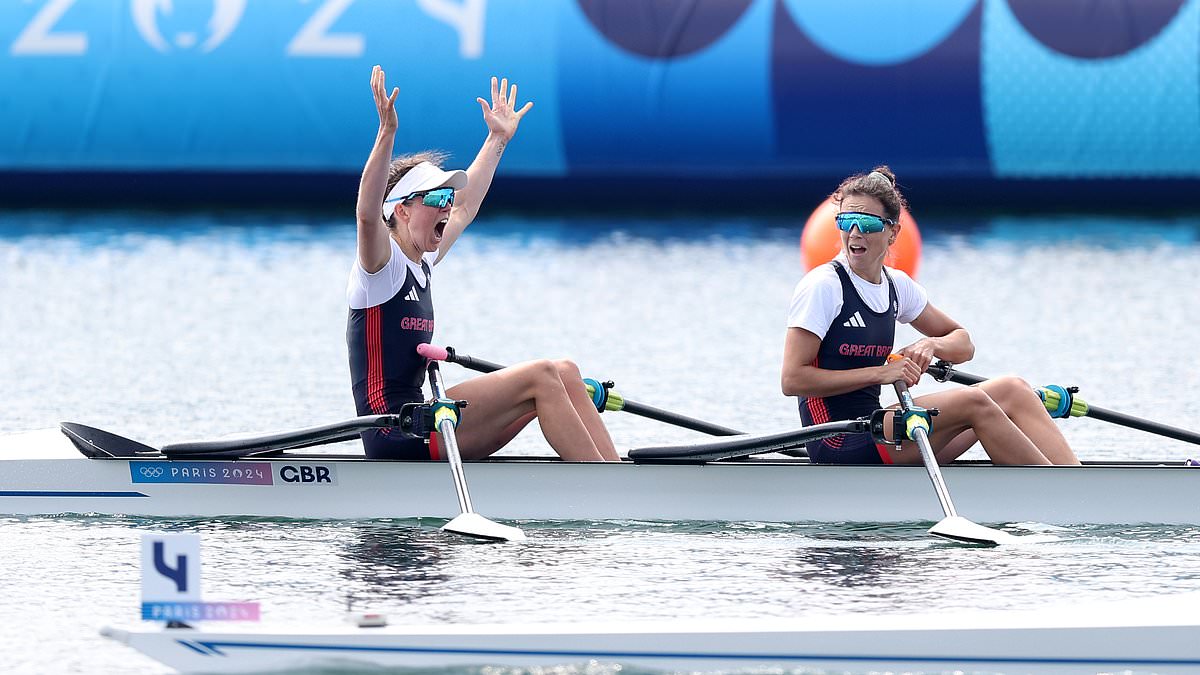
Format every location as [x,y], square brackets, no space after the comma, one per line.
[1161,635]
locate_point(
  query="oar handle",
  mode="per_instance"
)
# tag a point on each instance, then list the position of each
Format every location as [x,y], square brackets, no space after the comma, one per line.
[448,355]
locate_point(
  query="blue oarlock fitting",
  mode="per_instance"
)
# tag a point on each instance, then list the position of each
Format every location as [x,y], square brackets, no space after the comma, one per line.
[446,408]
[1065,400]
[599,392]
[915,418]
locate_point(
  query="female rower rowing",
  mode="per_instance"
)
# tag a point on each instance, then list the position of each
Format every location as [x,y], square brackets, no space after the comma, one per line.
[424,211]
[841,329]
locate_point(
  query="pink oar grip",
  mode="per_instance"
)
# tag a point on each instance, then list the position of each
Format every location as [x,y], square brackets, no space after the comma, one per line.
[432,353]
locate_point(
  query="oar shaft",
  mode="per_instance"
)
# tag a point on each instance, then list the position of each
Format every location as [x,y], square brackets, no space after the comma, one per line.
[746,445]
[944,372]
[935,474]
[287,440]
[451,442]
[456,469]
[1142,425]
[650,412]
[930,460]
[633,407]
[472,363]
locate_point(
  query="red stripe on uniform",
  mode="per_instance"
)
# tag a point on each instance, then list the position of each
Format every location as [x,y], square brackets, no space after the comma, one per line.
[816,406]
[434,451]
[375,362]
[883,453]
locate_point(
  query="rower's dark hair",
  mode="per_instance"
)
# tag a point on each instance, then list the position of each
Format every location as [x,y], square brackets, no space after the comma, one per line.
[880,183]
[404,163]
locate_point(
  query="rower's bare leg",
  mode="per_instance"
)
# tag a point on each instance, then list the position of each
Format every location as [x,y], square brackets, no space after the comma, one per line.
[1026,410]
[572,380]
[967,409]
[498,401]
[499,441]
[955,447]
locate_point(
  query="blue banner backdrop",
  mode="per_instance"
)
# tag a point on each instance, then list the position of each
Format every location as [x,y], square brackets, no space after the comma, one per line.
[975,89]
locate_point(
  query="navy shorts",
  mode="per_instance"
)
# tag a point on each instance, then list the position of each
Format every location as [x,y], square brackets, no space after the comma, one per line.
[849,449]
[395,444]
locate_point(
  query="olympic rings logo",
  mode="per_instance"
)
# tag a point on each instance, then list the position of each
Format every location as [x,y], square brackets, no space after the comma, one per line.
[151,471]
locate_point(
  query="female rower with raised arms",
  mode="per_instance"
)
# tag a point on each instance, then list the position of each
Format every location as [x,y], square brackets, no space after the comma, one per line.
[410,212]
[841,329]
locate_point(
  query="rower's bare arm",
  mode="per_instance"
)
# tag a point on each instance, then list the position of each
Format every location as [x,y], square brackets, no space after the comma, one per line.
[801,378]
[374,250]
[502,119]
[945,339]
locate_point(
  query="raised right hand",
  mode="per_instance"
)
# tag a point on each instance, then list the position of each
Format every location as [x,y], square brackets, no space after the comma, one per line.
[386,105]
[501,116]
[903,368]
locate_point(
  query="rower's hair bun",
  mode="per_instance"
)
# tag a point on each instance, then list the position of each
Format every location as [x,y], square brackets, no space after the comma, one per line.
[879,183]
[885,173]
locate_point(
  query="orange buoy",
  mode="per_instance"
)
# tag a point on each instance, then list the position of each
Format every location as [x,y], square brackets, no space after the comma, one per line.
[821,241]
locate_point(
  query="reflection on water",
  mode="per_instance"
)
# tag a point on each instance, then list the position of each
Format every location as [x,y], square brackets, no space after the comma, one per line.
[848,567]
[390,564]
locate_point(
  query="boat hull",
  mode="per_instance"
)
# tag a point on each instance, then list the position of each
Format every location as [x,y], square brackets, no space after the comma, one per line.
[42,474]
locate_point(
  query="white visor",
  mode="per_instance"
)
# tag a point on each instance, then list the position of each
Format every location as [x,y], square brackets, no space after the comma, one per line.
[420,178]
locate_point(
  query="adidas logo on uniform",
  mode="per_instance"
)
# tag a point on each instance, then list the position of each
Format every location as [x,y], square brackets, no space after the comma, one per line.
[412,295]
[855,321]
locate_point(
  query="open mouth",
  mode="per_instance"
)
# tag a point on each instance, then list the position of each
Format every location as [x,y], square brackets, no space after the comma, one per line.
[856,249]
[440,228]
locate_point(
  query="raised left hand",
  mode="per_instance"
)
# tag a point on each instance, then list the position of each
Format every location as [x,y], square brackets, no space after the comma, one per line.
[501,116]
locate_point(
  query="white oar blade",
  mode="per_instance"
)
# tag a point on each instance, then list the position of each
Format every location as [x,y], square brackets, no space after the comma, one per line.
[960,529]
[475,525]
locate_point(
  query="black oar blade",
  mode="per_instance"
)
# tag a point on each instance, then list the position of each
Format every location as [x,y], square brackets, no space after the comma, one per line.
[475,525]
[959,529]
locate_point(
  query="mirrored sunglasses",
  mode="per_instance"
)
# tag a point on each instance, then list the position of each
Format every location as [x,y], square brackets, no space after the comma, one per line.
[438,198]
[866,222]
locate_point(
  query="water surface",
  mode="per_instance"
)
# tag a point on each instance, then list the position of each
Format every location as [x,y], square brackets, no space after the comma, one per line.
[167,327]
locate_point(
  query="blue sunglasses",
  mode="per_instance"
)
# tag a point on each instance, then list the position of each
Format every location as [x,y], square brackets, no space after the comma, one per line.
[866,222]
[438,198]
